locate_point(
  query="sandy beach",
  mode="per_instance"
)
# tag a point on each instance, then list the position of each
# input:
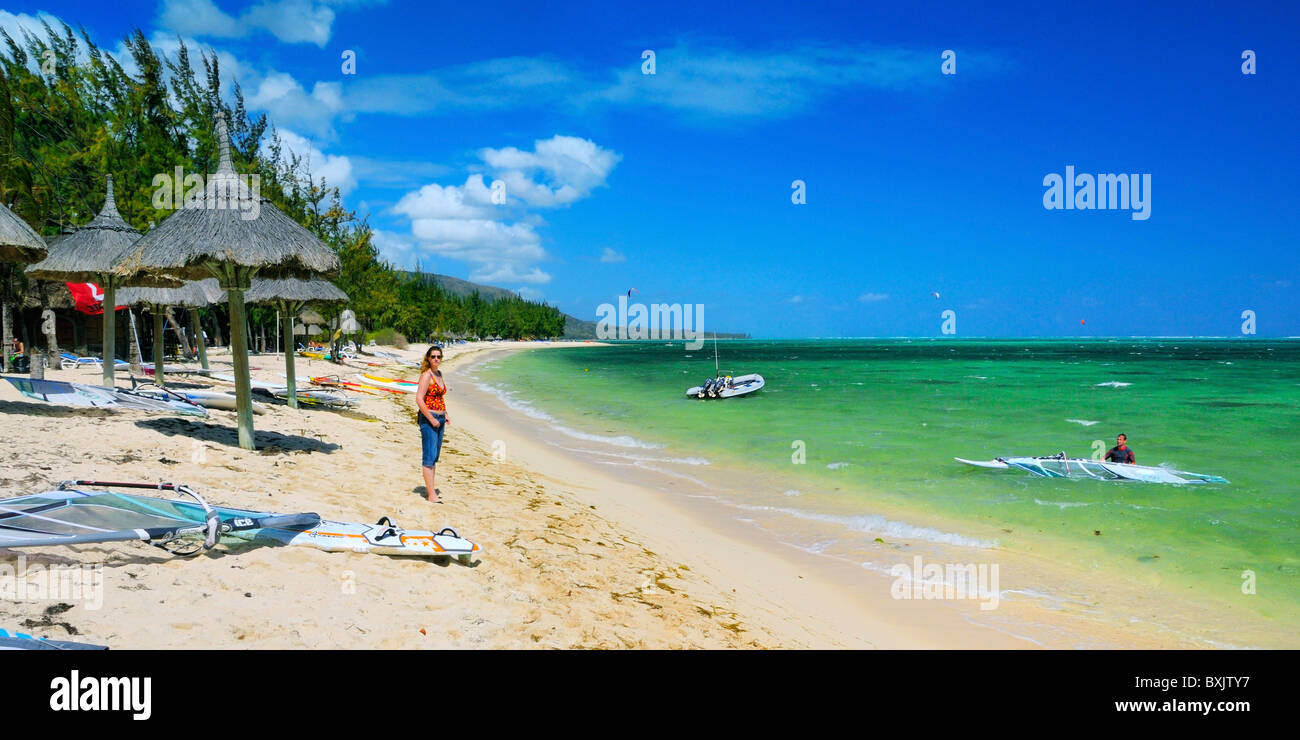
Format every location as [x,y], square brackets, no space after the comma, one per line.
[574,556]
[559,568]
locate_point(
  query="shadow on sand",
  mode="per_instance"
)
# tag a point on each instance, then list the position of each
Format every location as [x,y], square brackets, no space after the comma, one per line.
[50,411]
[268,443]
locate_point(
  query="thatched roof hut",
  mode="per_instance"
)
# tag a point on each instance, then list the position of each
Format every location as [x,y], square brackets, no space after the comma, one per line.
[230,232]
[87,255]
[18,241]
[290,295]
[293,291]
[194,294]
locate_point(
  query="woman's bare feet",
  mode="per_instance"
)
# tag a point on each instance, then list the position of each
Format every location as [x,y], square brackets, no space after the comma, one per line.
[434,497]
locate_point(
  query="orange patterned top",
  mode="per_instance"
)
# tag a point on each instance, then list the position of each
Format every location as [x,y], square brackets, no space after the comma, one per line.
[433,397]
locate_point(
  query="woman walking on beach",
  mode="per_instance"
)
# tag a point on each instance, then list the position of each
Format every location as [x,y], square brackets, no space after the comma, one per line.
[432,417]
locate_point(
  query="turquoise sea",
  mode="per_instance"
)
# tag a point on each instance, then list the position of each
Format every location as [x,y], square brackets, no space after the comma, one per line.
[852,443]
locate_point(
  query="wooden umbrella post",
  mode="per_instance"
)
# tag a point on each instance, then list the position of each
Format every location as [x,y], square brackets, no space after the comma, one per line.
[158,337]
[133,339]
[198,338]
[110,333]
[239,353]
[286,320]
[6,333]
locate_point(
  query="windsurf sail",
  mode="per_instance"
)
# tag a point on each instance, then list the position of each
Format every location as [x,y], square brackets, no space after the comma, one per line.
[72,516]
[20,641]
[81,512]
[80,394]
[1060,466]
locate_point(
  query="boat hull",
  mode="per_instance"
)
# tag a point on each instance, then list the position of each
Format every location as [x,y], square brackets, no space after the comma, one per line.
[742,385]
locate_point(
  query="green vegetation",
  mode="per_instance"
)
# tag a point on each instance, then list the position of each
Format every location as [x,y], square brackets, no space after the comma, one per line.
[70,114]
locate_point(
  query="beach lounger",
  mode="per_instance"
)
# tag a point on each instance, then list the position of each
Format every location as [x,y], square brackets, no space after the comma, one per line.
[67,361]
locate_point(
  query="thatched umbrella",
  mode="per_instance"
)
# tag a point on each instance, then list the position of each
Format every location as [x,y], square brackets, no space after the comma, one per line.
[289,296]
[87,256]
[308,316]
[192,295]
[231,233]
[18,243]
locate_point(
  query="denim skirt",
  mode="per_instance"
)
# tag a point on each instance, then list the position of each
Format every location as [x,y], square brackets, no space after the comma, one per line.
[431,439]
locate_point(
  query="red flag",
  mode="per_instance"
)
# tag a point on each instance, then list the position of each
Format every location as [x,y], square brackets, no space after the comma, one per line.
[89,298]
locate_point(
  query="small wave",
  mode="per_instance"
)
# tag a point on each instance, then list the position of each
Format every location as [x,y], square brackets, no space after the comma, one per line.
[1113,384]
[1085,422]
[837,465]
[513,403]
[634,458]
[877,525]
[793,492]
[1062,504]
[817,548]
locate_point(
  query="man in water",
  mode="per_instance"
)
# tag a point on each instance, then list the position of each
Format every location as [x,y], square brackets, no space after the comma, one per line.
[1120,453]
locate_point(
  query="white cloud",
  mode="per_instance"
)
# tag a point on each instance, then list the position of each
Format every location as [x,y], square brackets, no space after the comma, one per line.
[404,174]
[18,24]
[873,297]
[610,256]
[570,167]
[702,82]
[290,21]
[795,299]
[531,294]
[503,273]
[21,25]
[732,82]
[492,84]
[335,168]
[289,104]
[501,242]
[394,248]
[198,17]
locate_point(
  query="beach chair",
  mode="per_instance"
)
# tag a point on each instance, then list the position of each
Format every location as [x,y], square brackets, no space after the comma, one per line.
[68,361]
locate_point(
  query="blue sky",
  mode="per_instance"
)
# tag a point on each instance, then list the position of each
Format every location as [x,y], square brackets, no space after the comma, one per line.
[678,184]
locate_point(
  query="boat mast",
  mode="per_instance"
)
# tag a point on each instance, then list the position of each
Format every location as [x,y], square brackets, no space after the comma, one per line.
[716,372]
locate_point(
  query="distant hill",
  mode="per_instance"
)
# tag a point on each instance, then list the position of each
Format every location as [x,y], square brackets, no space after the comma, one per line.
[459,287]
[574,327]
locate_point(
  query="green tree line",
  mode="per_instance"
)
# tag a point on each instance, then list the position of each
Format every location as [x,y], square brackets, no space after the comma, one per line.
[70,114]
